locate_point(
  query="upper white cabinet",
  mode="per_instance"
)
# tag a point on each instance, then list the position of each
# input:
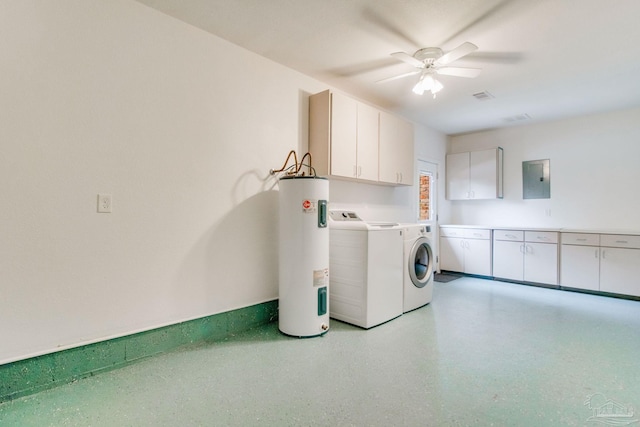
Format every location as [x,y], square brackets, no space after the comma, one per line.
[342,114]
[474,174]
[367,143]
[395,150]
[350,139]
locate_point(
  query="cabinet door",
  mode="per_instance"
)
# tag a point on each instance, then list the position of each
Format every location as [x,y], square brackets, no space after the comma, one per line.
[343,136]
[580,267]
[406,164]
[457,176]
[508,260]
[367,143]
[483,174]
[619,271]
[541,263]
[388,149]
[452,254]
[477,257]
[395,150]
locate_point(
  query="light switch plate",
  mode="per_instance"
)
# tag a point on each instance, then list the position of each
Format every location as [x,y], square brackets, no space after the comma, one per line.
[105,203]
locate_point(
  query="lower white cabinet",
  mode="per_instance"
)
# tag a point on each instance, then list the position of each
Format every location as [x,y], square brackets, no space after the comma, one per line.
[591,261]
[619,271]
[580,261]
[508,259]
[620,264]
[529,256]
[465,250]
[601,262]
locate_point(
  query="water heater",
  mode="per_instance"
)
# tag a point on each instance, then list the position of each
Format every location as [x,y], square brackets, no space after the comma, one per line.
[303,256]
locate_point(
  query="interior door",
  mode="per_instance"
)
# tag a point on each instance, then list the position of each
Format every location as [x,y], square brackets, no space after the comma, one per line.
[427,193]
[427,197]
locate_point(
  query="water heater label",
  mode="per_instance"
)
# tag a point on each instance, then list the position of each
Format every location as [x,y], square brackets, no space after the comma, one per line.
[320,277]
[308,206]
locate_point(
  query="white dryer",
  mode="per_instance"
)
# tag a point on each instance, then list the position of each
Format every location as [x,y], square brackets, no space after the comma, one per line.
[418,266]
[365,270]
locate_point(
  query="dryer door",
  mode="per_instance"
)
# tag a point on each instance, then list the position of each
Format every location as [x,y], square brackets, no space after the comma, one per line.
[421,262]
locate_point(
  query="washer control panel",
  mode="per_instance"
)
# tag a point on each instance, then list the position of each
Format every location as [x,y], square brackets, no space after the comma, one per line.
[344,216]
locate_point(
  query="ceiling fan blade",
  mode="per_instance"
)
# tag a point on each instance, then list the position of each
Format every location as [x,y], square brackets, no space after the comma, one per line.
[462,50]
[459,71]
[405,57]
[388,79]
[485,18]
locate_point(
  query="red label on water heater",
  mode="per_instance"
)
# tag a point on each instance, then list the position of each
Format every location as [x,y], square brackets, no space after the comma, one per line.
[308,206]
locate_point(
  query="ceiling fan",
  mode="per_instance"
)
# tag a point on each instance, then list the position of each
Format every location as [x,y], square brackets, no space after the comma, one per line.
[430,61]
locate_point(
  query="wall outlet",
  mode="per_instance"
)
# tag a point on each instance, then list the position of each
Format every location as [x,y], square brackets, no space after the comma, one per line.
[547,212]
[105,203]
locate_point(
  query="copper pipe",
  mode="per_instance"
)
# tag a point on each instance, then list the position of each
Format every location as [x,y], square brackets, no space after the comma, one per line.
[295,158]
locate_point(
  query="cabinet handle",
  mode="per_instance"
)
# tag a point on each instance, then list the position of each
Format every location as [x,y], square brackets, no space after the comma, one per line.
[596,253]
[468,194]
[543,238]
[359,170]
[603,251]
[473,194]
[401,177]
[581,240]
[462,243]
[521,248]
[622,241]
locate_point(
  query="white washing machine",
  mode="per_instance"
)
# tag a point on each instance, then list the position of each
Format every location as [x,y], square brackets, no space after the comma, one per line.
[419,264]
[366,270]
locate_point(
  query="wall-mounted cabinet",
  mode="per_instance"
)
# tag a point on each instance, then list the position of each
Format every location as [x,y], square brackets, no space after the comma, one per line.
[475,175]
[352,140]
[395,150]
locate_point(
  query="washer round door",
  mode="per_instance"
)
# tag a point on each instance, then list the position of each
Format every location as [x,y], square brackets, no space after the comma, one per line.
[421,262]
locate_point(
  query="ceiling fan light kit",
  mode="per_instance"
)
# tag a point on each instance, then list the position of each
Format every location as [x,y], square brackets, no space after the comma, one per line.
[430,61]
[427,83]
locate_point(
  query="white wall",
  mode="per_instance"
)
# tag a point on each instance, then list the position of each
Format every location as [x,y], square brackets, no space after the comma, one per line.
[594,163]
[182,128]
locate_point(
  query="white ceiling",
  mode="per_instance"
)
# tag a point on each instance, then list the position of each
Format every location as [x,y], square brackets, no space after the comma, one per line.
[548,59]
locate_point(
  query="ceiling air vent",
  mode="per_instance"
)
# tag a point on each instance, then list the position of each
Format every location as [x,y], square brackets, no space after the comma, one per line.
[483,96]
[517,118]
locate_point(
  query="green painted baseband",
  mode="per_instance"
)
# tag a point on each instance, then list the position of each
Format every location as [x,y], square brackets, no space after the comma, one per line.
[29,376]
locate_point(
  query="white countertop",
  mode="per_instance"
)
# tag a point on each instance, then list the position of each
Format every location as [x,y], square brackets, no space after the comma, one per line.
[559,230]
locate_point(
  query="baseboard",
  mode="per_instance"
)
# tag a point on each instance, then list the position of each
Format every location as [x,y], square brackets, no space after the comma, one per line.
[25,377]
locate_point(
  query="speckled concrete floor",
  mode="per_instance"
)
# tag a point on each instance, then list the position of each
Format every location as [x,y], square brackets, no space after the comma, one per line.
[483,353]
